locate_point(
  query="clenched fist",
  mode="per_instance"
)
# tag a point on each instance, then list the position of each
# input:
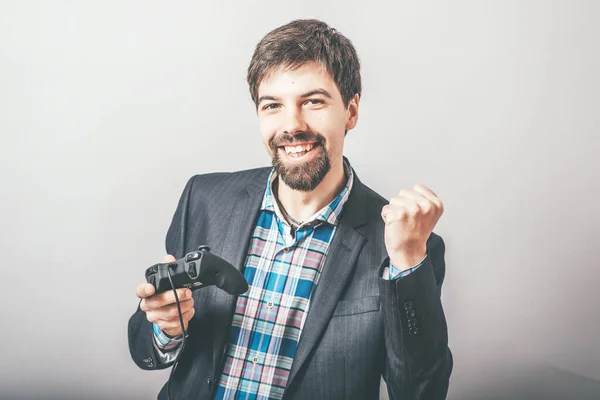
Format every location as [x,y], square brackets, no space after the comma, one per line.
[161,309]
[409,220]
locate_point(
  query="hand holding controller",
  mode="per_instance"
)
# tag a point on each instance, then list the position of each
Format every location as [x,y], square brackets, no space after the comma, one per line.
[161,309]
[195,270]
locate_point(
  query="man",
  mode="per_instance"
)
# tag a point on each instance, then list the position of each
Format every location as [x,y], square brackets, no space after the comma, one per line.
[344,287]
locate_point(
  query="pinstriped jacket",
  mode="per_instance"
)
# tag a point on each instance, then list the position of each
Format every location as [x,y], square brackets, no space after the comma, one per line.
[357,328]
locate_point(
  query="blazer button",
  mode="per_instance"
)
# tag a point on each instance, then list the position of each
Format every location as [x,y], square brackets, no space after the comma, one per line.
[413,331]
[408,305]
[412,323]
[410,313]
[209,382]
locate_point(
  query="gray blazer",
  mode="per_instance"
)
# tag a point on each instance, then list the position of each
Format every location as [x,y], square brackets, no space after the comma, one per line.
[357,328]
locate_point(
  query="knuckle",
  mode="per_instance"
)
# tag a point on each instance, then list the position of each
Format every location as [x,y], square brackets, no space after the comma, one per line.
[150,304]
[440,205]
[189,315]
[163,299]
[427,207]
[164,326]
[151,317]
[171,313]
[169,298]
[172,326]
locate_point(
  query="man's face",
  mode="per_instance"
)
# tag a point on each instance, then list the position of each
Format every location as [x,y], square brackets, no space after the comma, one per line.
[302,122]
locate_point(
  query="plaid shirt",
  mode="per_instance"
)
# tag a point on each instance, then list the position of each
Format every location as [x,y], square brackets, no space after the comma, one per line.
[282,269]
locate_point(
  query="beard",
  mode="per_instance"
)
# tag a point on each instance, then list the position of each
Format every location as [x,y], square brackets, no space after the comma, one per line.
[306,176]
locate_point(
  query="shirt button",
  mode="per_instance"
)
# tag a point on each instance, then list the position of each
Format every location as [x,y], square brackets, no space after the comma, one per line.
[286,249]
[255,359]
[270,304]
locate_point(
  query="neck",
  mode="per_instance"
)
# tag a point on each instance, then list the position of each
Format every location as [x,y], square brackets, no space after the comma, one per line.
[302,205]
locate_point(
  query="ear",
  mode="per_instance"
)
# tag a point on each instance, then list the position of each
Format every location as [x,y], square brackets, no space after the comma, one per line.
[352,111]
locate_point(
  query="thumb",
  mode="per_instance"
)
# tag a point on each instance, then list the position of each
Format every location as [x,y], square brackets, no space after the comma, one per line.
[168,258]
[388,215]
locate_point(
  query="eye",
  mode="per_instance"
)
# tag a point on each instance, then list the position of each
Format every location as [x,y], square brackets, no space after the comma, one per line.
[270,106]
[314,101]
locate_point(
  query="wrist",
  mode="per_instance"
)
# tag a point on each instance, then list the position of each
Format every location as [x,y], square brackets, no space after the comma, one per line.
[407,260]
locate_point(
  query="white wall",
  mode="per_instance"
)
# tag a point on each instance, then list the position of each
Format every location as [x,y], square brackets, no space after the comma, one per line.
[107,108]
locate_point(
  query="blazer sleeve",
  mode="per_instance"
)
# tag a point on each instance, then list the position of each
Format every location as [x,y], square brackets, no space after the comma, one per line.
[418,361]
[140,332]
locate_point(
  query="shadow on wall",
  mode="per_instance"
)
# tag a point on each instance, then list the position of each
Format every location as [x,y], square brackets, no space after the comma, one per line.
[548,383]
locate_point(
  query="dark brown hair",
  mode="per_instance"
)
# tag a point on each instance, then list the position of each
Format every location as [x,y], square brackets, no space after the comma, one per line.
[302,41]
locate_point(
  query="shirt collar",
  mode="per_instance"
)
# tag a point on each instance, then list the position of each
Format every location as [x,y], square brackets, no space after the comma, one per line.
[330,213]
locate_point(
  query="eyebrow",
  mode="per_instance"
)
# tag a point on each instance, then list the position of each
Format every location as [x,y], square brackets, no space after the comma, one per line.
[320,91]
[317,91]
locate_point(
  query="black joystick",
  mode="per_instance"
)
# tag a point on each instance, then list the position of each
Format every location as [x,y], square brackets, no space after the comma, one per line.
[196,270]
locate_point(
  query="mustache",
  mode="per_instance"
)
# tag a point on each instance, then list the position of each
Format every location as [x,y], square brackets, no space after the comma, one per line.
[300,137]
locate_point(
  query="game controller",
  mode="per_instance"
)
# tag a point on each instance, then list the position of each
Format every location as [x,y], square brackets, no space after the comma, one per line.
[196,270]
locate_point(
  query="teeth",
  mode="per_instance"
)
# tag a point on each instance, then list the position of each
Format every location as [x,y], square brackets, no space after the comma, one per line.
[298,149]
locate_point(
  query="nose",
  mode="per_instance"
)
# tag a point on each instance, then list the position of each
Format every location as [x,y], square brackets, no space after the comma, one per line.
[293,122]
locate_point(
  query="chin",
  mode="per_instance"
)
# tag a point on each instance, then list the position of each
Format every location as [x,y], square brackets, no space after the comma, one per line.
[306,176]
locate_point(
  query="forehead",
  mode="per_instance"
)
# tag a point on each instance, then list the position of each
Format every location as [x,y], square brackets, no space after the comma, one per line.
[294,81]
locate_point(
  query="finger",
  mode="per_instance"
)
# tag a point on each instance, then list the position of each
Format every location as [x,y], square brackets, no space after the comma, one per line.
[174,324]
[391,213]
[168,297]
[425,191]
[411,197]
[167,314]
[410,194]
[407,204]
[144,290]
[148,305]
[169,258]
[171,312]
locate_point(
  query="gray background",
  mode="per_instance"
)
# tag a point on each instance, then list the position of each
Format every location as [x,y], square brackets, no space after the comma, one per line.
[107,108]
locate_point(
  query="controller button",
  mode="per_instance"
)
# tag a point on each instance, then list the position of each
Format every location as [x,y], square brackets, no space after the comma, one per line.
[192,257]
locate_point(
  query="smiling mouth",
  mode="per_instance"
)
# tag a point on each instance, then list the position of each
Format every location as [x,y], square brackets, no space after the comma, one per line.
[298,150]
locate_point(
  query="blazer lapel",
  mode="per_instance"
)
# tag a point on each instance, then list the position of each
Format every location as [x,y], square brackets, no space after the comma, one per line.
[234,249]
[341,259]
